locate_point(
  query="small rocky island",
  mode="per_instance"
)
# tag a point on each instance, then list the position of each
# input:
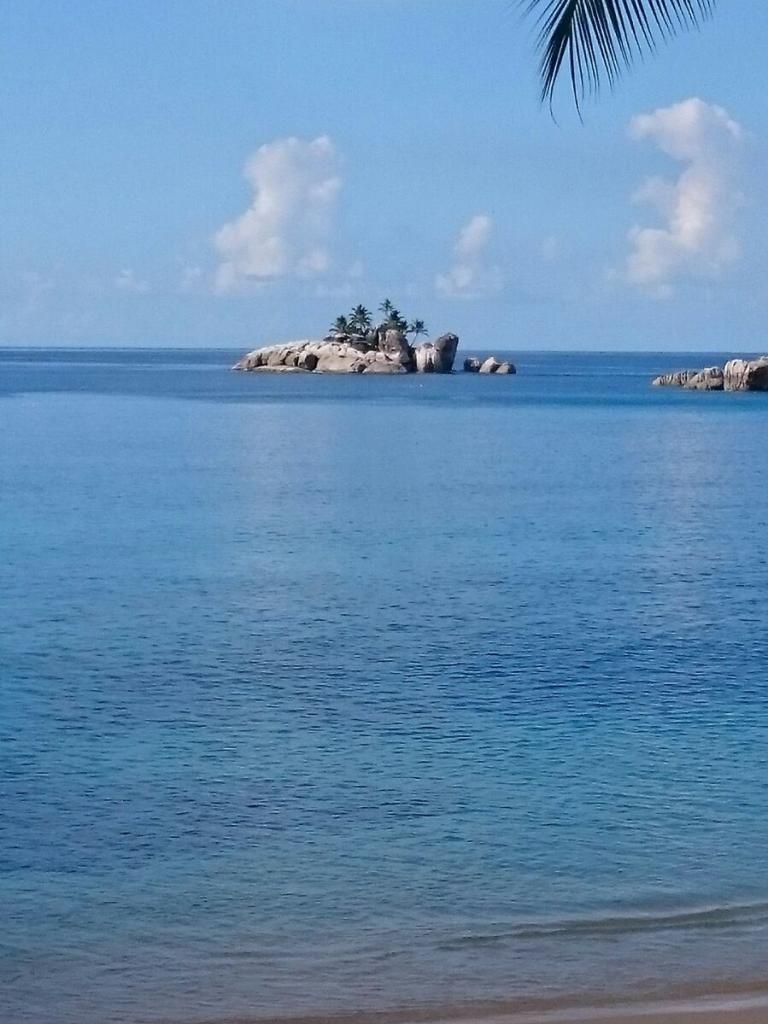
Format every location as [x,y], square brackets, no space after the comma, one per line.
[736,375]
[356,345]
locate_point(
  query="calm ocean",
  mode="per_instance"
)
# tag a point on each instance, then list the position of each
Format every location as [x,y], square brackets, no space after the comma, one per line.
[329,693]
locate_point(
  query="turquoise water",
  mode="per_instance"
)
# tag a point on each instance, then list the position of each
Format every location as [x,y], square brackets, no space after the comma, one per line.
[323,694]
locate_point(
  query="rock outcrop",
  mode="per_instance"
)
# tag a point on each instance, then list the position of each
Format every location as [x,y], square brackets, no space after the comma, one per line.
[746,374]
[387,351]
[676,379]
[306,356]
[493,365]
[394,345]
[709,379]
[490,365]
[437,357]
[736,375]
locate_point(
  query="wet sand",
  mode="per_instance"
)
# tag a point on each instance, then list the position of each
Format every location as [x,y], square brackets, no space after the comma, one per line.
[667,1015]
[745,1011]
[690,1015]
[739,1006]
[749,1016]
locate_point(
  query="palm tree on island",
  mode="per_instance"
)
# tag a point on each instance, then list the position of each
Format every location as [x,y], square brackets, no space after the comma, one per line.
[360,320]
[340,325]
[358,324]
[396,321]
[598,39]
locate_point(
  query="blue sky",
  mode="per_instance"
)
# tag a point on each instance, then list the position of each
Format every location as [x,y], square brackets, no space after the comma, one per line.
[201,173]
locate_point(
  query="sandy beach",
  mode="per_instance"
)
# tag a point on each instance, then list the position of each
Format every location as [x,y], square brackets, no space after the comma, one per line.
[669,1015]
[737,1006]
[743,1014]
[689,1014]
[747,1010]
[722,1016]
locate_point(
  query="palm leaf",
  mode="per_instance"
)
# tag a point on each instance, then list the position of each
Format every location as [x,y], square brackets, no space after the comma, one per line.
[598,39]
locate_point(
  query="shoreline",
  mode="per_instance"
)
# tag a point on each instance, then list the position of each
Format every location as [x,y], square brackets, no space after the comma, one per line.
[729,1004]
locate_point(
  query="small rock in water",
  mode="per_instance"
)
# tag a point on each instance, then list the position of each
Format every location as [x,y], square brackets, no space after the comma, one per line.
[494,365]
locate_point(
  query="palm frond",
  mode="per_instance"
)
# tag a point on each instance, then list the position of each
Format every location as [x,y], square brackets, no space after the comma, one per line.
[599,39]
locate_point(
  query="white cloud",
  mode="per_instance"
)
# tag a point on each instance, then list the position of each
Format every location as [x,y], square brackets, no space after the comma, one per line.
[192,279]
[287,229]
[127,281]
[698,237]
[470,276]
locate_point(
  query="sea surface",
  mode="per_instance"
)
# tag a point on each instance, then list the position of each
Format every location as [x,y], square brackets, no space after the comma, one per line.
[325,694]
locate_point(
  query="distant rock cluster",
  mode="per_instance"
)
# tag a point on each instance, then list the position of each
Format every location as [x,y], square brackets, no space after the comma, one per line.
[490,365]
[711,378]
[384,351]
[736,375]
